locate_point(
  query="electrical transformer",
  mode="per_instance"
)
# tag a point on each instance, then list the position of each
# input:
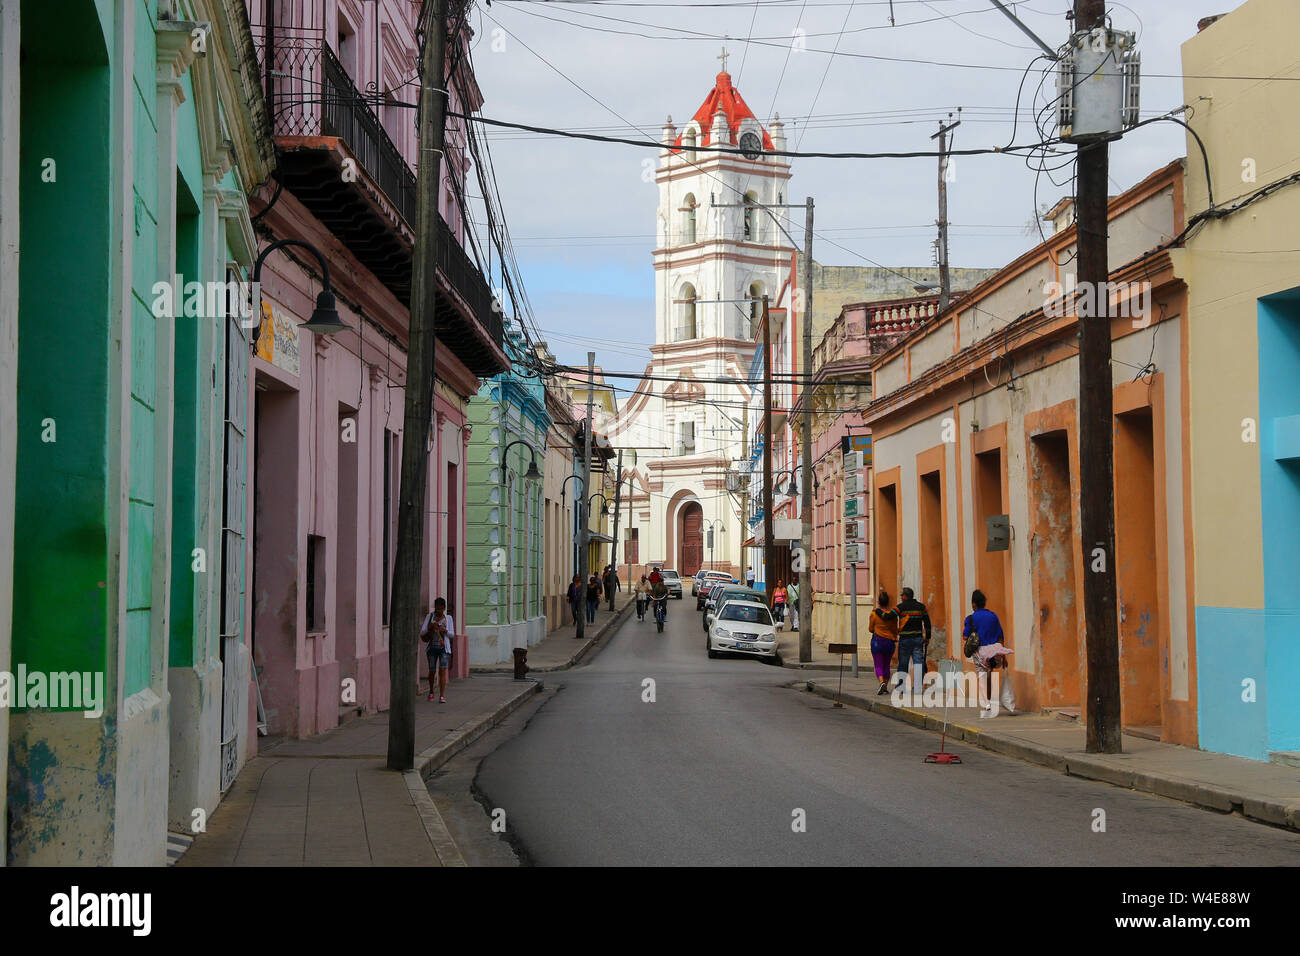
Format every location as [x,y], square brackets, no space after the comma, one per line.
[1097,82]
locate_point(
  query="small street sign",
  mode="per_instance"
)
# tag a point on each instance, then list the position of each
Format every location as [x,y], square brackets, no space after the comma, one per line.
[854,484]
[853,508]
[855,530]
[853,461]
[855,553]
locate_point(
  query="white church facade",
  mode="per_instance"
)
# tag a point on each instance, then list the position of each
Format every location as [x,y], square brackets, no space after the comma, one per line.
[717,253]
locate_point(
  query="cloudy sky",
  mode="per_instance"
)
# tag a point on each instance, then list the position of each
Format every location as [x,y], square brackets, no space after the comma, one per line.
[582,217]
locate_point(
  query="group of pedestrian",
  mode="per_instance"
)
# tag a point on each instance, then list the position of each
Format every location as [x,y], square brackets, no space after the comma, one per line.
[906,629]
[605,584]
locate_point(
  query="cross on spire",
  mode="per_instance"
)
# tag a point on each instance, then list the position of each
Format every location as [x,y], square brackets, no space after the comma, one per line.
[723,58]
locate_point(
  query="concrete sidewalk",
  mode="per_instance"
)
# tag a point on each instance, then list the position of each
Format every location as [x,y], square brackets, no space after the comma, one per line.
[1264,792]
[560,650]
[329,800]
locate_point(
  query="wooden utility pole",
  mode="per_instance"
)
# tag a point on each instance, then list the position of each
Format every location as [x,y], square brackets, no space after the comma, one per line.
[1096,440]
[804,567]
[584,507]
[945,282]
[618,498]
[769,545]
[744,496]
[408,565]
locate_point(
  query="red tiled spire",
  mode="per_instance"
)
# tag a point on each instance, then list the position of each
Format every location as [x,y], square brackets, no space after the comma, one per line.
[733,106]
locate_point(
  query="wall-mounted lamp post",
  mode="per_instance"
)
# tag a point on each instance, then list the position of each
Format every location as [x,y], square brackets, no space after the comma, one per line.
[532,474]
[325,318]
[563,485]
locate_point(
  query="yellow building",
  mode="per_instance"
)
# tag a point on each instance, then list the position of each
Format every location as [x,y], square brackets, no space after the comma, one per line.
[1242,268]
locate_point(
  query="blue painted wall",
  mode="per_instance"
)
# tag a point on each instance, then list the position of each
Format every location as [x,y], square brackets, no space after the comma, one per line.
[1234,645]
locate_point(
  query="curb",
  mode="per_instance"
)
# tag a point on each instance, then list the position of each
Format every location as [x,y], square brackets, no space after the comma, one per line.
[1102,768]
[459,739]
[443,845]
[582,652]
[574,658]
[430,760]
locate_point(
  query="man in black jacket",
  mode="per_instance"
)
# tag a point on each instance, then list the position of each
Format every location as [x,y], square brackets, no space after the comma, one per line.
[913,637]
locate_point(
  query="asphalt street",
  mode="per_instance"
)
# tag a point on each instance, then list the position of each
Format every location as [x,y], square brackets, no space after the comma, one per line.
[727,760]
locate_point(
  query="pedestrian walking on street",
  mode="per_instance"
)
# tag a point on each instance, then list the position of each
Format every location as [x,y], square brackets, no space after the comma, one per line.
[913,636]
[884,635]
[749,578]
[593,598]
[982,643]
[611,584]
[437,633]
[792,598]
[575,599]
[642,591]
[779,596]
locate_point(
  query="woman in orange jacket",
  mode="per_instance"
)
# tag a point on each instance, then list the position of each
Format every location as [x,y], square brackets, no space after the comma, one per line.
[884,637]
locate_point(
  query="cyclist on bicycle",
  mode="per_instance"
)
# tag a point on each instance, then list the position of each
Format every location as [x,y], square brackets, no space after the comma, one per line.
[659,591]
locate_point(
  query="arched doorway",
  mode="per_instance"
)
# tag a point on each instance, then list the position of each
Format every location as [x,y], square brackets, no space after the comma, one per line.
[690,538]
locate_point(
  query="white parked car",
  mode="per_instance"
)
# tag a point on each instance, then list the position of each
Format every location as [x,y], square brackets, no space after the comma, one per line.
[723,593]
[743,627]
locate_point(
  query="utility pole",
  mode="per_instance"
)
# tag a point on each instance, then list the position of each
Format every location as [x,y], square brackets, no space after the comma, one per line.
[618,493]
[768,543]
[1096,441]
[804,568]
[744,495]
[945,283]
[408,565]
[584,508]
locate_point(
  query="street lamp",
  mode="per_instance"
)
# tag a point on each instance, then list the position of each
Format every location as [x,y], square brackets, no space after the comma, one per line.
[532,474]
[325,318]
[722,529]
[564,485]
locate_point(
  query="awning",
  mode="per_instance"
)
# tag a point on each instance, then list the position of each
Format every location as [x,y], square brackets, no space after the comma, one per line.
[597,536]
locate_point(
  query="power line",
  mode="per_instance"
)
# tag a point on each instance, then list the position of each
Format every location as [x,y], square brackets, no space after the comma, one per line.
[652,144]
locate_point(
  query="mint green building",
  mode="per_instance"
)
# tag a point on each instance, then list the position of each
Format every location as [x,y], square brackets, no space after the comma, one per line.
[133,134]
[505,532]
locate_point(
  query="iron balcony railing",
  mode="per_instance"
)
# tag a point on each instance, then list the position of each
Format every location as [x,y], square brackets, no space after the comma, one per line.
[309,93]
[345,114]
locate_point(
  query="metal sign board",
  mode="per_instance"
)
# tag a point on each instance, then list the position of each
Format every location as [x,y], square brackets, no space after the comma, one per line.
[855,553]
[854,484]
[853,508]
[854,461]
[998,530]
[855,530]
[842,648]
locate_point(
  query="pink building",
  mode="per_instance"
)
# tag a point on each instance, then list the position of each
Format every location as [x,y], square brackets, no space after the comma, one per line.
[842,367]
[327,411]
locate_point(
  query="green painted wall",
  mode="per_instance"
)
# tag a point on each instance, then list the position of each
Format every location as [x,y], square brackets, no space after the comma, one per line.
[60,533]
[498,523]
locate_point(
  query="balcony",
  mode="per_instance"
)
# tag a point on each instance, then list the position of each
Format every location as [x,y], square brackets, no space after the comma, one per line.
[338,161]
